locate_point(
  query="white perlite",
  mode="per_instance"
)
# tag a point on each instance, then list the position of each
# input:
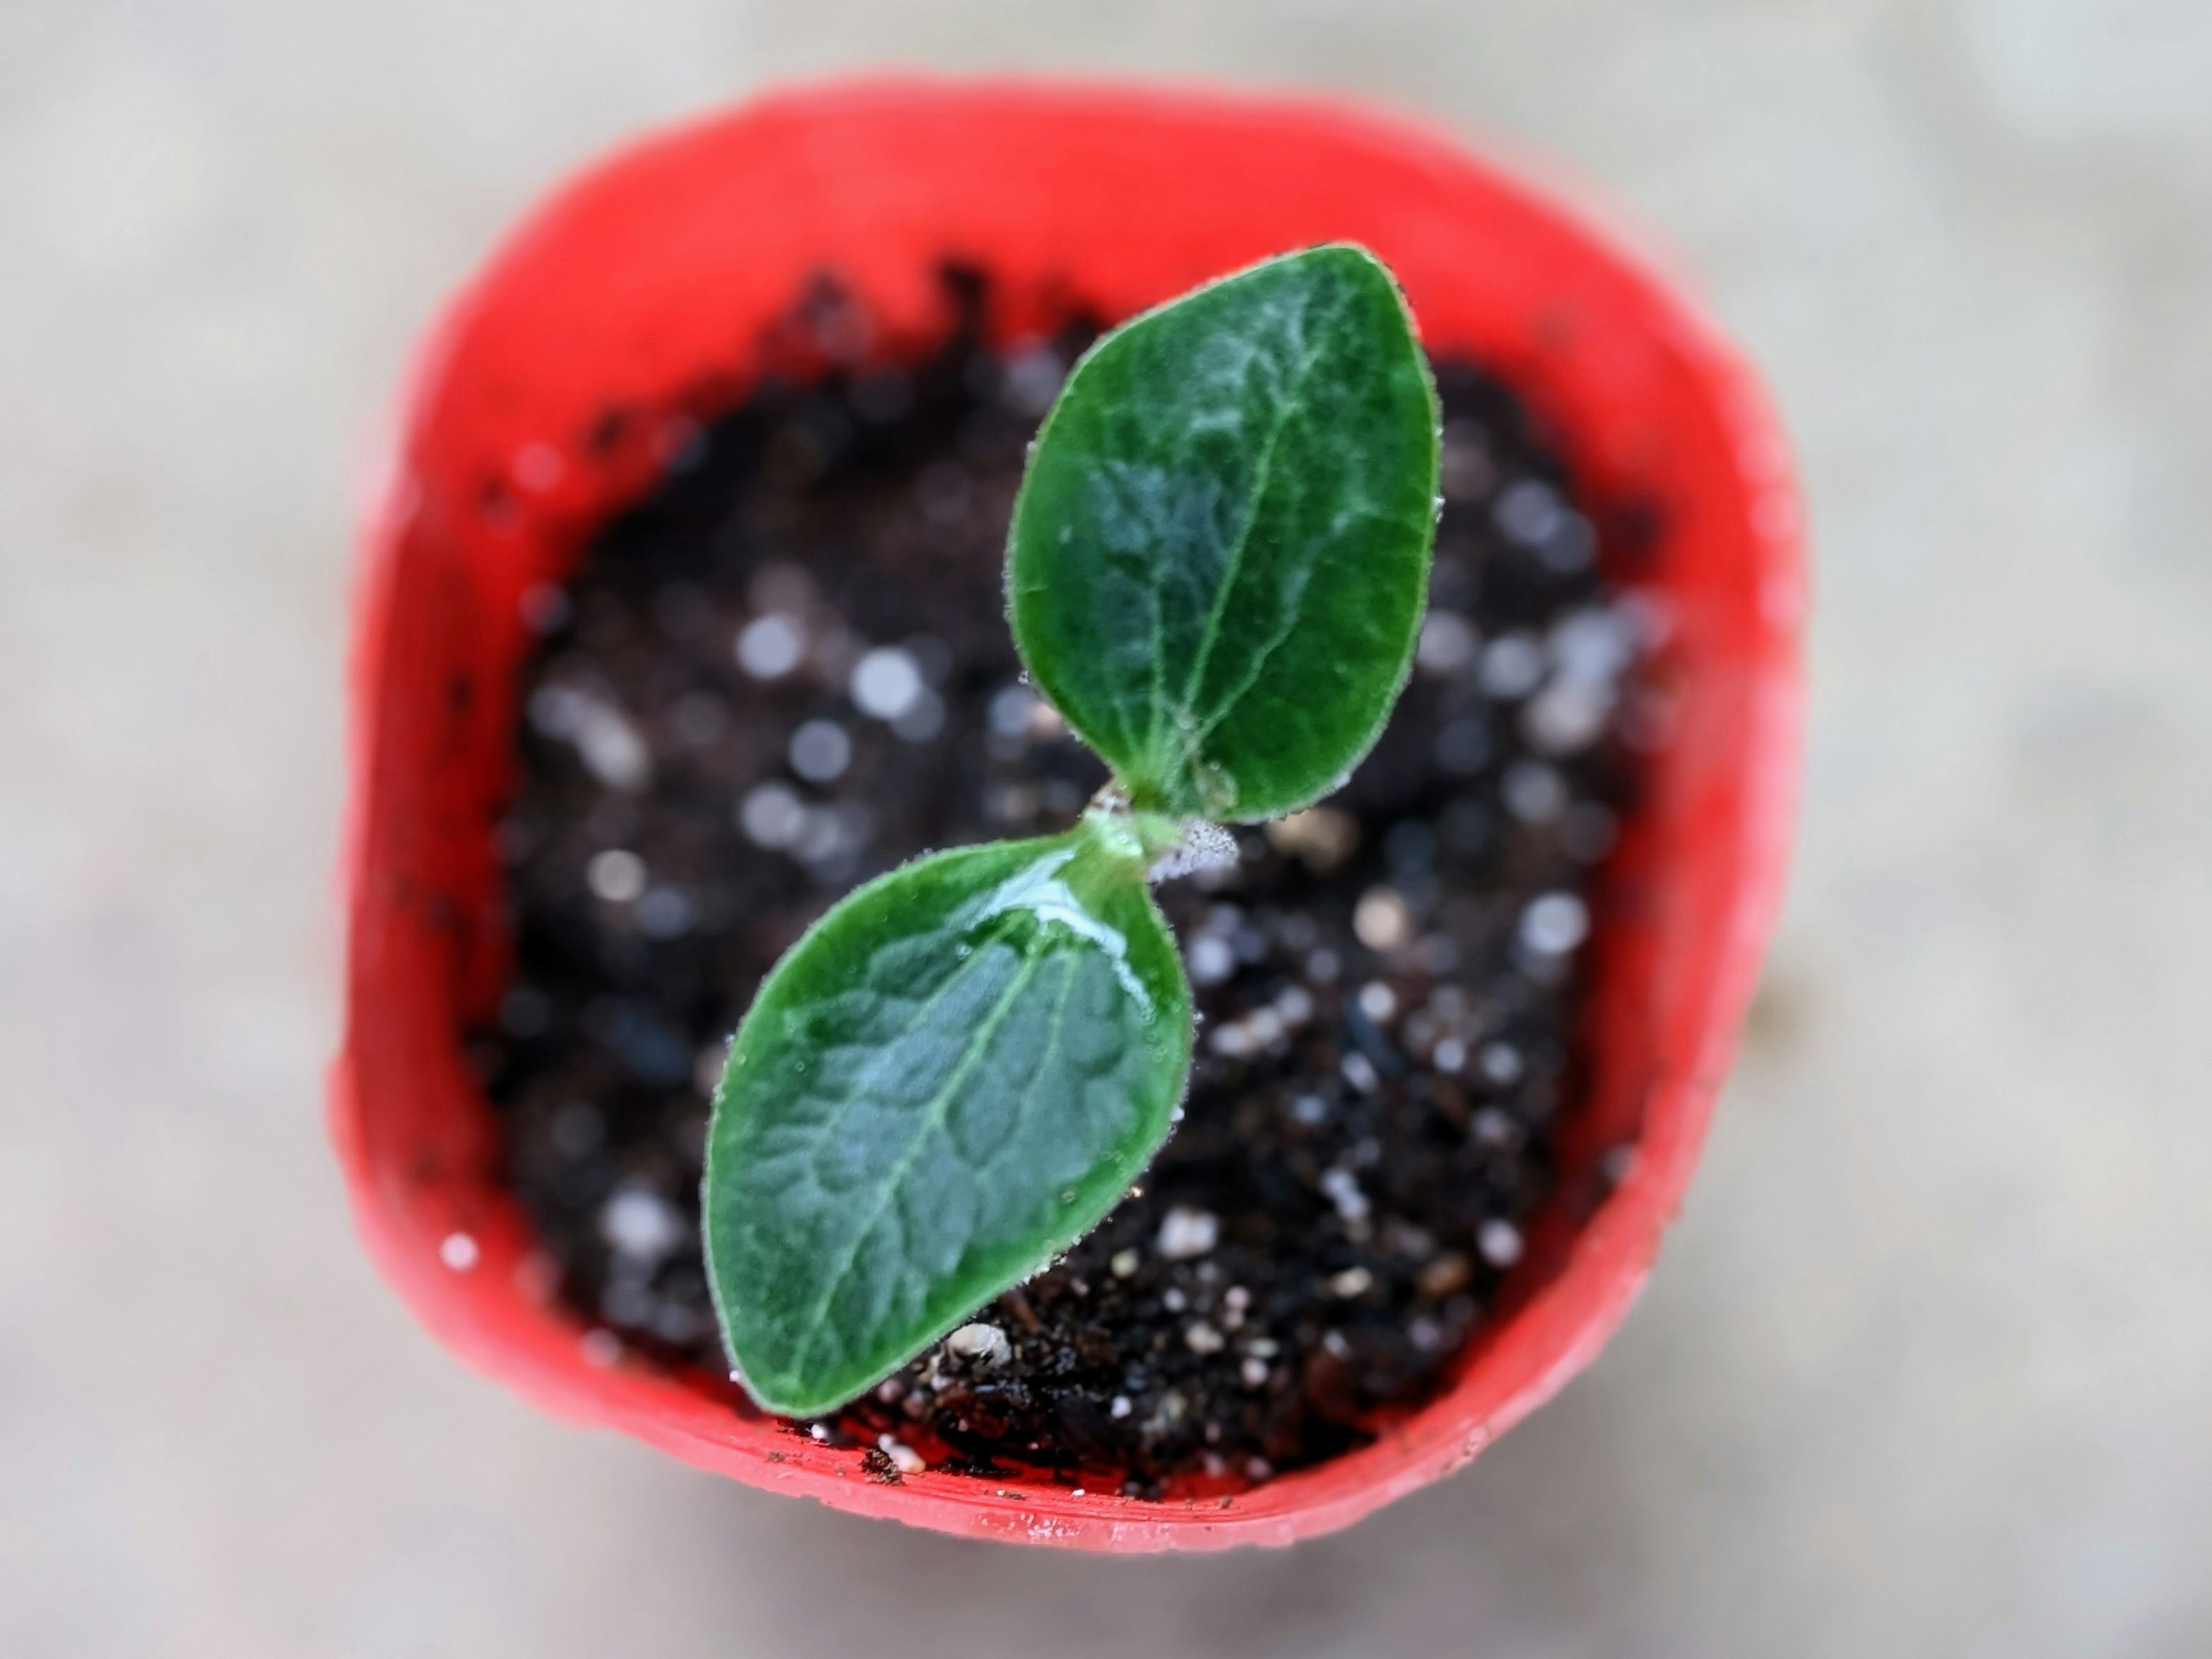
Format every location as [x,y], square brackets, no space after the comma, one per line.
[1343,1189]
[1186,1232]
[1554,925]
[820,751]
[772,815]
[605,740]
[1382,919]
[770,646]
[980,1344]
[1378,1002]
[1447,643]
[1511,667]
[904,1458]
[1499,1242]
[1210,960]
[886,683]
[617,875]
[638,1222]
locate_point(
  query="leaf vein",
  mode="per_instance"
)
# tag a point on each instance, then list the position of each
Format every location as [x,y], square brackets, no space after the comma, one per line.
[1290,407]
[933,1122]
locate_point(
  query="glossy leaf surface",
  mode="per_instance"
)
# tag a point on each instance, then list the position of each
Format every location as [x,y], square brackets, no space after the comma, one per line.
[949,1080]
[1220,551]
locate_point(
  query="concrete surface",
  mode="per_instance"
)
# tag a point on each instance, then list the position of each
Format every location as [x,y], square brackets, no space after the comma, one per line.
[1927,1369]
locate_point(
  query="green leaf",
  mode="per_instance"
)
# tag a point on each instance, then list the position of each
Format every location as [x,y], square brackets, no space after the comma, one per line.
[1220,551]
[950,1080]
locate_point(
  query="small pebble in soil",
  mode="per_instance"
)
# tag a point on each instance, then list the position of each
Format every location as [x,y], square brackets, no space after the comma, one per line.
[787,669]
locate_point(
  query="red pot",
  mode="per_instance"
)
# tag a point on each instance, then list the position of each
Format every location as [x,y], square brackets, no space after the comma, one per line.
[643,287]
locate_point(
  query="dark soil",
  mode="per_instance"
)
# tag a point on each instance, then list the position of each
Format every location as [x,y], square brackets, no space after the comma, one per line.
[1387,985]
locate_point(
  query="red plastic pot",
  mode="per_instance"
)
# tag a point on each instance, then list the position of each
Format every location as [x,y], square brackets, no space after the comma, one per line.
[546,395]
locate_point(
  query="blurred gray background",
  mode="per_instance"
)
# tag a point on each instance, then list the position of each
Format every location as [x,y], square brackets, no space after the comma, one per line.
[1927,1368]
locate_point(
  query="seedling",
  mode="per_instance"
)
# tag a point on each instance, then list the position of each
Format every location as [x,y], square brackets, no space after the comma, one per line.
[1217,569]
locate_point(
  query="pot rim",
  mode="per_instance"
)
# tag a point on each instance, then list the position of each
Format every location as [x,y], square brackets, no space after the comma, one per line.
[1562,1325]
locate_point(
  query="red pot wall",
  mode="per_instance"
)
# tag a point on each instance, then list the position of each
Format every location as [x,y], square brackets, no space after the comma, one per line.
[645,285]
